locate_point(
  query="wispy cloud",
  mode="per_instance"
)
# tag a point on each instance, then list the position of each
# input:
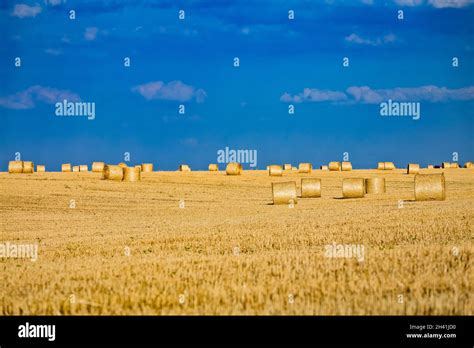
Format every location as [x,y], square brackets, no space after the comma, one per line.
[54,2]
[314,95]
[367,95]
[357,39]
[191,142]
[450,3]
[91,33]
[435,3]
[409,2]
[27,99]
[174,90]
[24,11]
[53,51]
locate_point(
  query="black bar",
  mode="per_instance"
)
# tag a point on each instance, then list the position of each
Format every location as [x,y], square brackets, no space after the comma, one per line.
[262,330]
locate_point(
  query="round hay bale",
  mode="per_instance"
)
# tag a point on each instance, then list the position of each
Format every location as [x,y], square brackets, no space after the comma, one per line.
[66,167]
[113,172]
[147,167]
[468,165]
[83,168]
[454,165]
[413,168]
[353,187]
[334,166]
[287,166]
[184,168]
[375,185]
[40,168]
[346,166]
[388,166]
[445,165]
[284,192]
[324,168]
[15,167]
[381,166]
[28,167]
[310,188]
[75,168]
[213,167]
[430,166]
[294,169]
[132,174]
[139,166]
[430,187]
[98,167]
[122,165]
[305,167]
[275,170]
[233,168]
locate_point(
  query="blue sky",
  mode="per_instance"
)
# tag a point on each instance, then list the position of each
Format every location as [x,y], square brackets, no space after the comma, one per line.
[191,62]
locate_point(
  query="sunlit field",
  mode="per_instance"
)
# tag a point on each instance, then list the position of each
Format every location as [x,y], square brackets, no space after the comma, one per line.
[207,243]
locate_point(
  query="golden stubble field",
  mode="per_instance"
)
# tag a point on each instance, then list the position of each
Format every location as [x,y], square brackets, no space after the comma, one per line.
[132,248]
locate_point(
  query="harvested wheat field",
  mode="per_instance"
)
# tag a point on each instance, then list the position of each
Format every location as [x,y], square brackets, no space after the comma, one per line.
[210,243]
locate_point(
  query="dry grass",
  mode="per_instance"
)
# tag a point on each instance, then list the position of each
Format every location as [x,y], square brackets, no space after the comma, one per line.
[230,251]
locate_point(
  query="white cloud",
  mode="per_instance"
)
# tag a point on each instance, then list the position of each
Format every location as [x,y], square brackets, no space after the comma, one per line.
[174,90]
[54,2]
[314,95]
[91,33]
[435,3]
[356,39]
[26,99]
[367,95]
[192,142]
[23,11]
[53,51]
[429,93]
[450,3]
[409,2]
